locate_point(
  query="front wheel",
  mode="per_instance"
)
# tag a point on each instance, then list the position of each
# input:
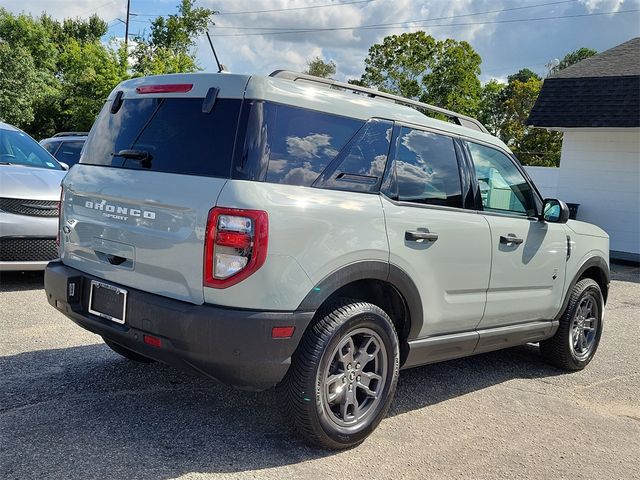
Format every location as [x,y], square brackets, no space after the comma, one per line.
[578,336]
[343,376]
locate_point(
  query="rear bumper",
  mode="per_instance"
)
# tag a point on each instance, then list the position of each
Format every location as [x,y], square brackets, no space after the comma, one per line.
[229,345]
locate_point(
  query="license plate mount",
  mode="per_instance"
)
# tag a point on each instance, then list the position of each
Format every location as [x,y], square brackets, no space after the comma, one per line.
[108,301]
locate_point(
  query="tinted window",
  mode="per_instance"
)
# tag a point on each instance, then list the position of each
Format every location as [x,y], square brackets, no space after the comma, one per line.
[502,187]
[20,149]
[360,165]
[426,169]
[69,152]
[51,147]
[178,136]
[291,145]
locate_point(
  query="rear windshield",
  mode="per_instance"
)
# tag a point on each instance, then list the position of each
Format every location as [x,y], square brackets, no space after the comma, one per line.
[174,133]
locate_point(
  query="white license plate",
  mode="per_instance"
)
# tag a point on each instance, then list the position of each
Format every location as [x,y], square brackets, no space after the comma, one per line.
[107,301]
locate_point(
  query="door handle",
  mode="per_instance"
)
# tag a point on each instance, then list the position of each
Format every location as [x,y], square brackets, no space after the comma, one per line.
[510,239]
[417,235]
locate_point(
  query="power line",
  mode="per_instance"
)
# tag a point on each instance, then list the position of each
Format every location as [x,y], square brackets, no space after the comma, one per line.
[247,12]
[416,21]
[375,27]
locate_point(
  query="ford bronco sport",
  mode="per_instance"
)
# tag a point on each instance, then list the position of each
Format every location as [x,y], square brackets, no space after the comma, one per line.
[316,236]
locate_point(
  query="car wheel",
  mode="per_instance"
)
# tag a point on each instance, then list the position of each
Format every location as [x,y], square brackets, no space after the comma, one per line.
[343,375]
[126,353]
[578,336]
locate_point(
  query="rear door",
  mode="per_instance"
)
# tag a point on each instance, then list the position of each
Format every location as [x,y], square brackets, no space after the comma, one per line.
[444,248]
[529,256]
[138,218]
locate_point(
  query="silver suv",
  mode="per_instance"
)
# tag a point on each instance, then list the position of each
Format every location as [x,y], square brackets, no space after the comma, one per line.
[315,236]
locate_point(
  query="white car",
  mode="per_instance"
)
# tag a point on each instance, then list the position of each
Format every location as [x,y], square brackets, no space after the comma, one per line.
[29,198]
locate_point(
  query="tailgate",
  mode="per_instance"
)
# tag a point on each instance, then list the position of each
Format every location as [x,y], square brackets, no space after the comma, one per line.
[139,229]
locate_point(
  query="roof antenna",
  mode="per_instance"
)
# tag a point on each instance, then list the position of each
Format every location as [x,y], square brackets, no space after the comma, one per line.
[220,66]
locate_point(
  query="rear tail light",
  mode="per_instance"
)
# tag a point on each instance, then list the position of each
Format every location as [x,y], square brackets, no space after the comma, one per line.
[59,215]
[235,245]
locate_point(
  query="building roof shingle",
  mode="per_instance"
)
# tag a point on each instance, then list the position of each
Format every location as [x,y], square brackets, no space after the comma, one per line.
[600,91]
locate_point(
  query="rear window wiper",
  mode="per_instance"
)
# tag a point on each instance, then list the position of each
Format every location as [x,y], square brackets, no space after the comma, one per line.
[142,156]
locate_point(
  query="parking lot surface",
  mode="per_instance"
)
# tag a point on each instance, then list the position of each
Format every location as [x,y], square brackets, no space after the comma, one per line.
[71,408]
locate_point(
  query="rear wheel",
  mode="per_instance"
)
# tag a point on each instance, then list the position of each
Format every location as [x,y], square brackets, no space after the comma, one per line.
[578,336]
[343,376]
[126,353]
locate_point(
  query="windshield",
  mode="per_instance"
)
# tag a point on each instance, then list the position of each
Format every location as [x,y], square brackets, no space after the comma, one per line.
[18,148]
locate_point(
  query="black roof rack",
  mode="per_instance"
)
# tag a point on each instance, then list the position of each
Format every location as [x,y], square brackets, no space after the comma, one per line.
[71,134]
[458,118]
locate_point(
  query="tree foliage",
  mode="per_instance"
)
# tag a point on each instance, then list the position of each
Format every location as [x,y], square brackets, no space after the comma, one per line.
[169,46]
[491,108]
[533,146]
[55,75]
[574,57]
[416,65]
[319,68]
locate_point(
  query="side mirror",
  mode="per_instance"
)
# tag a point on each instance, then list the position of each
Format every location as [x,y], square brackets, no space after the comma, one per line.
[555,211]
[64,165]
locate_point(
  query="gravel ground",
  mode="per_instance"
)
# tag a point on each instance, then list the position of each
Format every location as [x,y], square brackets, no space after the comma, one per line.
[71,408]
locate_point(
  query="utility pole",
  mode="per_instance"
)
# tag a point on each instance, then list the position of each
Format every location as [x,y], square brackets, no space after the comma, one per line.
[126,29]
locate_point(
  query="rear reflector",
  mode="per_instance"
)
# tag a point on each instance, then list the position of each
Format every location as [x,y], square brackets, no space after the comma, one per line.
[282,332]
[168,88]
[151,340]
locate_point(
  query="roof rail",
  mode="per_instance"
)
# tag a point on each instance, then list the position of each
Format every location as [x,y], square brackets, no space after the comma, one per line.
[71,134]
[458,118]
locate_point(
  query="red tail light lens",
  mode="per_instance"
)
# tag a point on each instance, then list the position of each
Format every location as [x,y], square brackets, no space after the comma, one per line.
[168,88]
[235,245]
[59,215]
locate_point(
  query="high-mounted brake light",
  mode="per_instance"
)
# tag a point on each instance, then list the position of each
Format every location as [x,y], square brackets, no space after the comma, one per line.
[235,245]
[168,88]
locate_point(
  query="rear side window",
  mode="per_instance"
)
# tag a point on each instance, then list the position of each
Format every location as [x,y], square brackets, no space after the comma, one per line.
[175,133]
[426,169]
[69,152]
[291,145]
[360,166]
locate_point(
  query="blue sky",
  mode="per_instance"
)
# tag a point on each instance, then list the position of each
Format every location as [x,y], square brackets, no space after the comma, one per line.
[505,45]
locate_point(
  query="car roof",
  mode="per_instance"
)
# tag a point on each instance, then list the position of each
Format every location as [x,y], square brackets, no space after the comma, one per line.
[75,138]
[301,94]
[6,126]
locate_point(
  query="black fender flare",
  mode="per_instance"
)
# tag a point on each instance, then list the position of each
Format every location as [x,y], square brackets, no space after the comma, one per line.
[597,262]
[369,270]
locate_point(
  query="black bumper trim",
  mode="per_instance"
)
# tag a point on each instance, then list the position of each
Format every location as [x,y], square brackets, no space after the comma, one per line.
[232,346]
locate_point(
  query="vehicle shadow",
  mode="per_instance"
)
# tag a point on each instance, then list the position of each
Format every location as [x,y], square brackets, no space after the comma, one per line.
[84,412]
[21,281]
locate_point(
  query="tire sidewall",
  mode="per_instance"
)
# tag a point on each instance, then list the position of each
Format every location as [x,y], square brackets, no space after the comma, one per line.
[594,290]
[382,326]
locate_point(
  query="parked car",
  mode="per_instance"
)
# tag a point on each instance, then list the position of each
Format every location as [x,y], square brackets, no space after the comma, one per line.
[29,198]
[66,147]
[316,236]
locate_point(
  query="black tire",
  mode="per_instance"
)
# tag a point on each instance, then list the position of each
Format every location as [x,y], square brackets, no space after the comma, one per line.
[560,350]
[304,393]
[126,353]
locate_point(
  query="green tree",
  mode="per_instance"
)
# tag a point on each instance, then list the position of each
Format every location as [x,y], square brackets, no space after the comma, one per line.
[319,68]
[18,80]
[416,65]
[491,108]
[169,47]
[533,146]
[574,57]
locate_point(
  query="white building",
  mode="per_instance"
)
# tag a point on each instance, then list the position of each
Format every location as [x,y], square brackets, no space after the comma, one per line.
[596,104]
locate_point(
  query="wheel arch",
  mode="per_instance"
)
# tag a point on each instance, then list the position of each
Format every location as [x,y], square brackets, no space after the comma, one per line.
[381,283]
[595,268]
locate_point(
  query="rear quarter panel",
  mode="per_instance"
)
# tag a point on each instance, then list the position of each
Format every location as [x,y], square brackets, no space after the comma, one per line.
[312,232]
